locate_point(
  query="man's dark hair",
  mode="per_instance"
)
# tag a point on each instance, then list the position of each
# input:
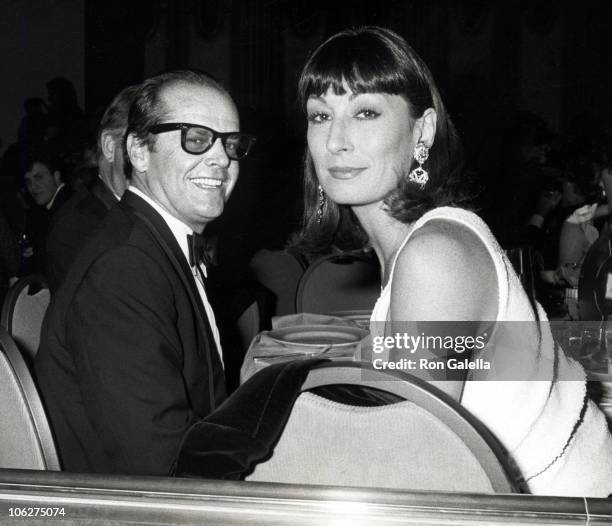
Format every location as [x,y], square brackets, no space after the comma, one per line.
[148,108]
[42,154]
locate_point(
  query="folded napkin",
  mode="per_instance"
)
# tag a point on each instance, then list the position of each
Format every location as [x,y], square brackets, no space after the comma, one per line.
[309,318]
[264,346]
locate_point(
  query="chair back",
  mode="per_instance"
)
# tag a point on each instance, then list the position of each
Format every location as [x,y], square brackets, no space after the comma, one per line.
[23,312]
[248,325]
[595,282]
[26,441]
[336,283]
[427,441]
[279,271]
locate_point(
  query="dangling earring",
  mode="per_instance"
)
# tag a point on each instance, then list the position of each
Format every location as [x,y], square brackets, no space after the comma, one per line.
[419,175]
[322,203]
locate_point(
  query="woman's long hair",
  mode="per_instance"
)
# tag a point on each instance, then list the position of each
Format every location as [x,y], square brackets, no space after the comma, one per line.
[377,60]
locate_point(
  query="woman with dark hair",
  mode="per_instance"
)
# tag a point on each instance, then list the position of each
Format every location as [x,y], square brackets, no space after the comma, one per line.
[383,170]
[589,206]
[408,79]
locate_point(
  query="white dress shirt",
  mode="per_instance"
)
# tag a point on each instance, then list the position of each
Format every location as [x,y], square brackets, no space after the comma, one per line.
[180,231]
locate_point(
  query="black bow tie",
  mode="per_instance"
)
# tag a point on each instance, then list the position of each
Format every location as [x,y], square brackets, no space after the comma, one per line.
[200,251]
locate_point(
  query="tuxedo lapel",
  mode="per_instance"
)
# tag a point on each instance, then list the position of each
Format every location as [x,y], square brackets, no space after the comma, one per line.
[61,197]
[155,224]
[148,217]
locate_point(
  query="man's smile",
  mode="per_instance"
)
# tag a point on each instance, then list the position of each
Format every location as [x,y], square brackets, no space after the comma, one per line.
[206,182]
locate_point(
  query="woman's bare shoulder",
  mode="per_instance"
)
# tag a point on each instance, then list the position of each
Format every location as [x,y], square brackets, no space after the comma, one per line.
[448,272]
[447,244]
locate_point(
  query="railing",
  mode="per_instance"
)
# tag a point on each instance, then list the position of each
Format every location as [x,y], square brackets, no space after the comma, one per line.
[101,499]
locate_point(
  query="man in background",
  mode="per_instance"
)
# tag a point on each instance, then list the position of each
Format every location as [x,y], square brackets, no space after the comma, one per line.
[84,212]
[42,175]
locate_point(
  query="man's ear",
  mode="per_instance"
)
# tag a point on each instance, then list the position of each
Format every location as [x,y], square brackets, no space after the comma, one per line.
[425,127]
[138,153]
[108,145]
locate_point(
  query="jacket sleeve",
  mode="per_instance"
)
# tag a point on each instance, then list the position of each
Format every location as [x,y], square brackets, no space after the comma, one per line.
[60,250]
[129,359]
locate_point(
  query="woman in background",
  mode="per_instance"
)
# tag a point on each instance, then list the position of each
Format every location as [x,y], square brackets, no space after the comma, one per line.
[591,177]
[383,169]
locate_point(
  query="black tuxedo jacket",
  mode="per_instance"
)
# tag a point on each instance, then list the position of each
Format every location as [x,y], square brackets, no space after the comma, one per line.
[62,196]
[37,223]
[127,360]
[73,226]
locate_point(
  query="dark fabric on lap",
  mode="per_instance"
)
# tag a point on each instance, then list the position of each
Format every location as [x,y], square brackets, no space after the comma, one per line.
[243,431]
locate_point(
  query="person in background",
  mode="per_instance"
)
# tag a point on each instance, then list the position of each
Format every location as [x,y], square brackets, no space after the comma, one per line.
[43,180]
[84,212]
[581,228]
[570,212]
[383,168]
[130,354]
[42,175]
[31,135]
[67,130]
[33,126]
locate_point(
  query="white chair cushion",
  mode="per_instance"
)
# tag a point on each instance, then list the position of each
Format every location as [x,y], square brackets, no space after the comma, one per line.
[19,442]
[26,323]
[398,446]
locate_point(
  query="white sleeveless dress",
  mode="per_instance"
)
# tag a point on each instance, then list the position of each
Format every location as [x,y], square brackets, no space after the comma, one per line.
[558,439]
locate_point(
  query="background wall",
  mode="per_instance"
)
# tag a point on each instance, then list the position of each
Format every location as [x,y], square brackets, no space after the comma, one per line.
[550,57]
[39,40]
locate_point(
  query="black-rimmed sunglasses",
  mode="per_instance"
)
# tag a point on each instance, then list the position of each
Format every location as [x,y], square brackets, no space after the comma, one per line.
[197,139]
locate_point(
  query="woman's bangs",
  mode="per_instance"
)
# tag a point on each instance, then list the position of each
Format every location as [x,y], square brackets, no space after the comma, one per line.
[316,83]
[359,68]
[374,77]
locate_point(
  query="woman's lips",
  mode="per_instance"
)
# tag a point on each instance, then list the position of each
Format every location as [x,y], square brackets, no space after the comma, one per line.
[344,172]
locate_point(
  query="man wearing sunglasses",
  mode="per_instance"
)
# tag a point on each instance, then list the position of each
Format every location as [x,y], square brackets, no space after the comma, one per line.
[130,354]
